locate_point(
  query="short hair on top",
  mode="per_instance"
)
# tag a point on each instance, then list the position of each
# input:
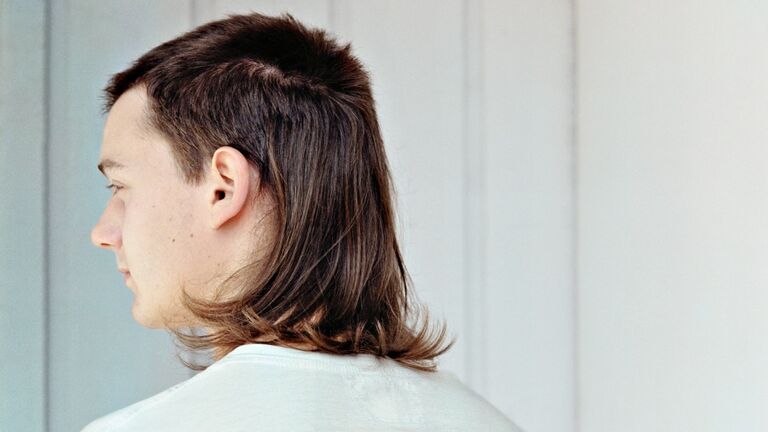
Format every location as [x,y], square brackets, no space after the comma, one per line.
[299,107]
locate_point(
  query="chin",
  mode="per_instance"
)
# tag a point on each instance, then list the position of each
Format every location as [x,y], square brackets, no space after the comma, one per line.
[142,319]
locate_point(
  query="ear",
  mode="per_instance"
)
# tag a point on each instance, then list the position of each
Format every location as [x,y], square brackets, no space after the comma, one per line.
[230,178]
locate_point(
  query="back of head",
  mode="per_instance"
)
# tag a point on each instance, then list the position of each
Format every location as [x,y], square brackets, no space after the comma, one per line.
[299,107]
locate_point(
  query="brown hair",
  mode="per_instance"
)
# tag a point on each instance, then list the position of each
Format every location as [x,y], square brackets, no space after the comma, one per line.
[300,108]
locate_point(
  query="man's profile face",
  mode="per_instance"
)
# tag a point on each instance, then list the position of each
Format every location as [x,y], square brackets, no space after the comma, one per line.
[153,223]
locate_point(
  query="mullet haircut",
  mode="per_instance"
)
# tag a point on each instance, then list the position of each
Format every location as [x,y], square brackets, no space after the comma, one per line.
[299,107]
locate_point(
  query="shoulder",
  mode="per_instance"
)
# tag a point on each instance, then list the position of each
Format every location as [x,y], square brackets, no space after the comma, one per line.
[111,422]
[332,393]
[218,394]
[228,393]
[464,406]
[116,420]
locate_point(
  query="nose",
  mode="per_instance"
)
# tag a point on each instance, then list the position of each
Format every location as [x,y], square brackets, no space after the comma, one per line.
[106,234]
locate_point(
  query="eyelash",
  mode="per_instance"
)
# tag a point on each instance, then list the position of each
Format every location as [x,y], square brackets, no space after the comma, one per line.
[110,186]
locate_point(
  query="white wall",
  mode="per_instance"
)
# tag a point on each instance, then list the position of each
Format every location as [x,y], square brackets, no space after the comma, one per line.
[527,211]
[645,226]
[475,102]
[672,157]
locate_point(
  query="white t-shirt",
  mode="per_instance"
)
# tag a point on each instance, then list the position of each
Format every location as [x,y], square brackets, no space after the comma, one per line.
[260,387]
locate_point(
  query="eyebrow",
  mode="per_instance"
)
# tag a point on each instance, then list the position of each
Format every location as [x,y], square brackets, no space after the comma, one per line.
[109,164]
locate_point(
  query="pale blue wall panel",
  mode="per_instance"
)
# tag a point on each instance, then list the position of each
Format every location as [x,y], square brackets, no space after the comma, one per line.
[22,216]
[101,359]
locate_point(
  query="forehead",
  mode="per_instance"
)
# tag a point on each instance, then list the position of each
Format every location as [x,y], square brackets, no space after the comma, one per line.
[125,133]
[127,116]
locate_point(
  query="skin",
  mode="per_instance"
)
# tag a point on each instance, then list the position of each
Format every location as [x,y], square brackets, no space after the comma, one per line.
[169,234]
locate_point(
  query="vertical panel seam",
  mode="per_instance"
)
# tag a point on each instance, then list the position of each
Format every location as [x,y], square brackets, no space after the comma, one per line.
[475,215]
[331,5]
[465,208]
[192,13]
[465,235]
[480,170]
[46,213]
[575,217]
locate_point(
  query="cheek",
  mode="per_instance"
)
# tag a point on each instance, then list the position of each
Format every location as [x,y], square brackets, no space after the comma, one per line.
[168,231]
[160,239]
[148,237]
[178,227]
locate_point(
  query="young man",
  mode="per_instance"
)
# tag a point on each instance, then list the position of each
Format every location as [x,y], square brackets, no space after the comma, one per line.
[252,198]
